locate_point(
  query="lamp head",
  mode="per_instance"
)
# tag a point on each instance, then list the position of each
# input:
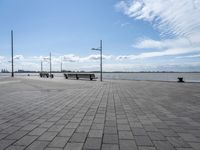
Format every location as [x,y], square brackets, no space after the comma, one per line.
[95,49]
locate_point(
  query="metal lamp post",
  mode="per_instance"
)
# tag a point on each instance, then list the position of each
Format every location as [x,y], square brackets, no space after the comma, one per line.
[61,64]
[100,49]
[50,63]
[41,66]
[12,60]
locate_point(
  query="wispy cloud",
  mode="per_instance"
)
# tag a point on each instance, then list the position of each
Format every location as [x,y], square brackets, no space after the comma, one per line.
[18,57]
[2,59]
[190,56]
[168,52]
[125,24]
[176,19]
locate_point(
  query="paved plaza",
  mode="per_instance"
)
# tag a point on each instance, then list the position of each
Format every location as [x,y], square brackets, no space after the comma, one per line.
[56,114]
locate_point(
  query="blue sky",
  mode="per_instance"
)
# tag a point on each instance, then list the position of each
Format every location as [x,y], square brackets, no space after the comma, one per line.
[138,35]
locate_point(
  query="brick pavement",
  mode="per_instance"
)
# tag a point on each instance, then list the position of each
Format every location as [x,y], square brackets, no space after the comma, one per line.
[114,115]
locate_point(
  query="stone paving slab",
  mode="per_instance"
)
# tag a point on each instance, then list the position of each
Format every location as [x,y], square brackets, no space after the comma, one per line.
[63,114]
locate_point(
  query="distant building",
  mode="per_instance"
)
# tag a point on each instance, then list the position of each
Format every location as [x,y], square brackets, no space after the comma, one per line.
[4,71]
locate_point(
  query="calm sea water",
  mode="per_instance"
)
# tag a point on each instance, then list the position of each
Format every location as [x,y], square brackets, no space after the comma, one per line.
[188,77]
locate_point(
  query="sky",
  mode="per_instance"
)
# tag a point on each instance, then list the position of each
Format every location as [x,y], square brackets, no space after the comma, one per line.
[137,35]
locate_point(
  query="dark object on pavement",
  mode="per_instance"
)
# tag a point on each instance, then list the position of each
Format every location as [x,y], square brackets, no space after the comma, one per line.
[180,79]
[51,76]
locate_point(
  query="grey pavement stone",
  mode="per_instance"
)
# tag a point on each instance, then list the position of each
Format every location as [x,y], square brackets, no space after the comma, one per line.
[17,135]
[163,145]
[74,146]
[37,145]
[62,122]
[38,131]
[146,148]
[78,137]
[195,146]
[83,129]
[110,123]
[110,138]
[46,124]
[86,123]
[122,121]
[56,128]
[150,128]
[188,137]
[97,126]
[15,147]
[168,132]
[76,119]
[29,127]
[66,132]
[48,136]
[26,140]
[143,141]
[125,135]
[5,143]
[127,145]
[52,148]
[59,142]
[92,143]
[3,135]
[72,125]
[184,148]
[39,121]
[139,131]
[110,130]
[156,136]
[10,130]
[95,133]
[110,147]
[123,127]
[178,142]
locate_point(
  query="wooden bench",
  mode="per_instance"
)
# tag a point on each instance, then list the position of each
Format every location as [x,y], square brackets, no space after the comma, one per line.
[46,74]
[81,75]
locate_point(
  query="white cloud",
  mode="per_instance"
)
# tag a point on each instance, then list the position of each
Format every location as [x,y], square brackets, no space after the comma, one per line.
[179,19]
[75,58]
[95,58]
[168,52]
[190,56]
[176,17]
[71,58]
[2,59]
[18,57]
[125,24]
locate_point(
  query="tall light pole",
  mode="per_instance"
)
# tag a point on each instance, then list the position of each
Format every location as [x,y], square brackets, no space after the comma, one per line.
[100,49]
[12,61]
[50,62]
[61,65]
[41,66]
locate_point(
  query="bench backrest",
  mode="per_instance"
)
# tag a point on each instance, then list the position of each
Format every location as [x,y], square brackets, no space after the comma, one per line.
[81,75]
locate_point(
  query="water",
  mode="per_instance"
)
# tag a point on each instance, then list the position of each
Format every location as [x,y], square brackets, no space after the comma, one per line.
[188,77]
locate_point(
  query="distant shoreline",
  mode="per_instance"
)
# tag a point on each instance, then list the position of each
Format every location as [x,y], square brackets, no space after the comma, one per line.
[107,72]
